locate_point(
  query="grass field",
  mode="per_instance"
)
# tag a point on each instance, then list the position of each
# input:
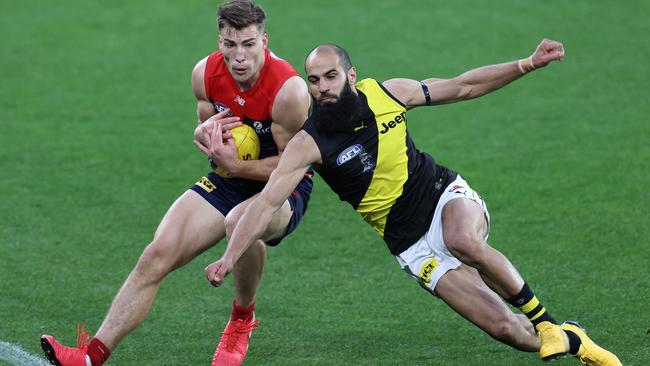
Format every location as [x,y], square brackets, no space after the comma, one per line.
[96,121]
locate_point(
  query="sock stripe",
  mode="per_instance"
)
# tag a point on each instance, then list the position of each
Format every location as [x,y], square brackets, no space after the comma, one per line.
[535,311]
[530,305]
[541,312]
[527,303]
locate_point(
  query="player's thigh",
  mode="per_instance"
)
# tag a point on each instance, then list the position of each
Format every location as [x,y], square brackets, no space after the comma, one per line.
[190,226]
[464,223]
[465,292]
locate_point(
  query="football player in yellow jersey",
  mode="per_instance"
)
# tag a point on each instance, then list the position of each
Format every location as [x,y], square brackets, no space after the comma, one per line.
[357,140]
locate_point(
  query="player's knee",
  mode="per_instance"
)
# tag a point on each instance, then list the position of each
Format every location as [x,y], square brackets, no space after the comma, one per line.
[468,248]
[156,261]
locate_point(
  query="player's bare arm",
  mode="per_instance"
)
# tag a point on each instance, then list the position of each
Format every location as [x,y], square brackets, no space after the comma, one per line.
[207,115]
[290,111]
[204,108]
[473,83]
[300,153]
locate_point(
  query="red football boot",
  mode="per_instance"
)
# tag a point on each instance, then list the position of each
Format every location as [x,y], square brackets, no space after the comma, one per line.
[234,342]
[61,355]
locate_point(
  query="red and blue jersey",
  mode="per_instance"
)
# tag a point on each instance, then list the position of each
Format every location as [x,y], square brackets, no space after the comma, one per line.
[253,106]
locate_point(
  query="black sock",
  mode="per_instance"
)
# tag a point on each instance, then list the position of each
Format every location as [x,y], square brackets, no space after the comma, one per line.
[527,302]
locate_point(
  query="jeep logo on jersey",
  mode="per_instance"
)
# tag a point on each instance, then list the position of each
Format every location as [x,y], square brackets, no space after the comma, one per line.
[348,154]
[399,119]
[220,107]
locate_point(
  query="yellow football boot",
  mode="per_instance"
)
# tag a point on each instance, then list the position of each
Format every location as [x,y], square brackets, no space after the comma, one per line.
[590,353]
[553,341]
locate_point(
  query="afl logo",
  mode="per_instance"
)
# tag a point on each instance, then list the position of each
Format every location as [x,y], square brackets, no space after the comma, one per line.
[257,125]
[348,154]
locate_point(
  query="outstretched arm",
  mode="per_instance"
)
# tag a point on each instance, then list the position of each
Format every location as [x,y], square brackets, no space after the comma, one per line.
[301,152]
[473,83]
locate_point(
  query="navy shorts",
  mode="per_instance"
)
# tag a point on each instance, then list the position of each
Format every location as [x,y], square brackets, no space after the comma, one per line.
[226,193]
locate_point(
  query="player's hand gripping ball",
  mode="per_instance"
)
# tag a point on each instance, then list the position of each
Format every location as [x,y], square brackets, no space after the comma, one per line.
[248,146]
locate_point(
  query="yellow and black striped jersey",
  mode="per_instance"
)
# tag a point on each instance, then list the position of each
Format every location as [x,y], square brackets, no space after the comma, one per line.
[380,172]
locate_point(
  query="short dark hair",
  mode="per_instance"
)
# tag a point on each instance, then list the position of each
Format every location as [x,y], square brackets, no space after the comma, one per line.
[240,14]
[344,57]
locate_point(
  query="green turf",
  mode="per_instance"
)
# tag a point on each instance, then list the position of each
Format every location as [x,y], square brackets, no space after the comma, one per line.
[96,117]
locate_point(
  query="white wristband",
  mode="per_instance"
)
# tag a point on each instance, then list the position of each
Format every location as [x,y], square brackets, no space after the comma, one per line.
[526,65]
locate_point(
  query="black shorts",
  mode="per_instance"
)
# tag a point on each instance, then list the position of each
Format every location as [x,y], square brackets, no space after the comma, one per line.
[226,193]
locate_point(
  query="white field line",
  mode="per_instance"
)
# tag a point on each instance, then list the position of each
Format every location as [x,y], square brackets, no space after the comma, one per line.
[15,355]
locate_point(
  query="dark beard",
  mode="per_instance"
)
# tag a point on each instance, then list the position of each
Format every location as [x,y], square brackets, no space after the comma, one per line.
[340,116]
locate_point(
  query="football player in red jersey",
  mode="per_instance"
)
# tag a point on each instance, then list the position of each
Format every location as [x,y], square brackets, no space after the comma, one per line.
[243,82]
